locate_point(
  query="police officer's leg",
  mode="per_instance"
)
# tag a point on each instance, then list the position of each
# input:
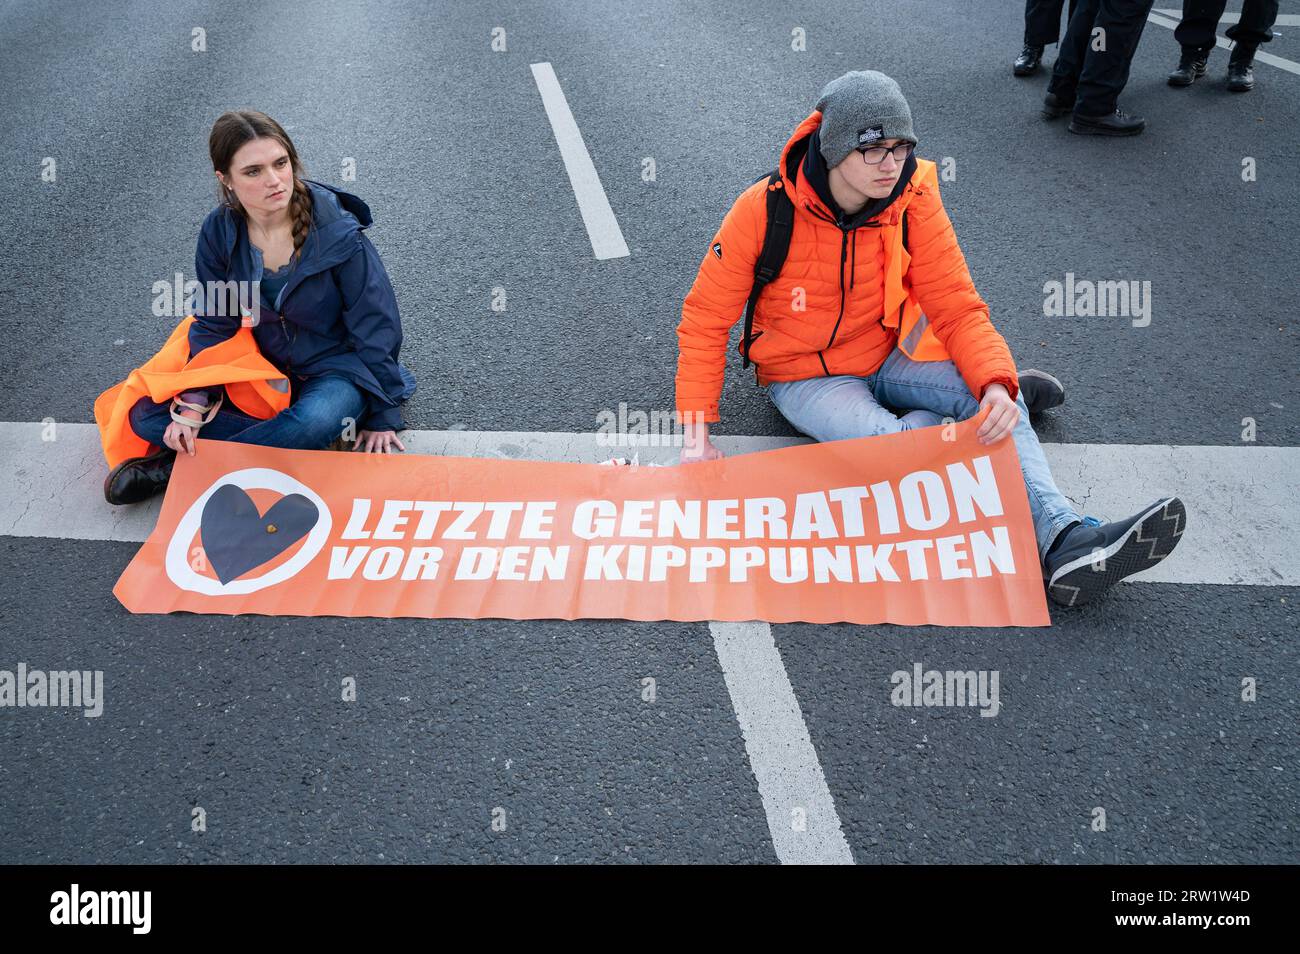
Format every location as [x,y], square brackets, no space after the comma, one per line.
[1200,21]
[1256,23]
[1105,70]
[1073,49]
[1043,21]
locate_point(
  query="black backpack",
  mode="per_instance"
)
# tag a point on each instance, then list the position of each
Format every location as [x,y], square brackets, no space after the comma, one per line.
[776,246]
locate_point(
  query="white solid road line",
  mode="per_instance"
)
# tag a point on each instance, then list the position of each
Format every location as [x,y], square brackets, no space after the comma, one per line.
[602,228]
[800,810]
[1241,527]
[1261,55]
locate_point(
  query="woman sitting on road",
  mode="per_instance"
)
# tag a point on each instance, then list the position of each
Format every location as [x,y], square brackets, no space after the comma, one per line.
[327,318]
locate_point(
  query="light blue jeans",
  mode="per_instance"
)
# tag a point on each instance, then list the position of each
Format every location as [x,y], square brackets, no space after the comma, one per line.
[840,407]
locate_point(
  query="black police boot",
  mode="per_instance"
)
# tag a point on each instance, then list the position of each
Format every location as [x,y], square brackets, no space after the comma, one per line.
[1055,106]
[139,478]
[1027,63]
[1191,66]
[1041,391]
[1091,559]
[1118,123]
[1241,76]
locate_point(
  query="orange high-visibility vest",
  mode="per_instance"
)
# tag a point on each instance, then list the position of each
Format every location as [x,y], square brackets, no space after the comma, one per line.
[916,338]
[257,387]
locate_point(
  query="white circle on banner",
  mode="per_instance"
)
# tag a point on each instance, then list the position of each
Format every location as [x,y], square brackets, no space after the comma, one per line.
[177,561]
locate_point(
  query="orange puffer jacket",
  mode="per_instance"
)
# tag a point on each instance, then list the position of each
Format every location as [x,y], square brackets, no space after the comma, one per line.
[843,299]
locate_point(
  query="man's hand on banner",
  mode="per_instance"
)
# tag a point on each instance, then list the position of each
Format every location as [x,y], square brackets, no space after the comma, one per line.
[1002,414]
[378,442]
[696,445]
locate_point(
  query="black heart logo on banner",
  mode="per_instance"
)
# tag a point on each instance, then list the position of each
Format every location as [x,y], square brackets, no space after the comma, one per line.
[236,538]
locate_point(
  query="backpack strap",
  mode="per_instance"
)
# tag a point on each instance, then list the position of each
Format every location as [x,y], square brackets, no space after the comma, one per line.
[771,259]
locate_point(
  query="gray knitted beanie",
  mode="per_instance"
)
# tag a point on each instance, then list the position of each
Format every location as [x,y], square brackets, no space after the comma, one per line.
[858,109]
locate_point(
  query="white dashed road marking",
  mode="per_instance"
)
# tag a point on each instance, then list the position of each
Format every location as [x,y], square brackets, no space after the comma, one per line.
[800,811]
[602,228]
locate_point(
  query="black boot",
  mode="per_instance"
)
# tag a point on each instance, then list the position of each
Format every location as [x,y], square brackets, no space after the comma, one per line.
[1241,76]
[139,478]
[1118,123]
[1054,106]
[1191,66]
[1027,63]
[1041,391]
[1093,558]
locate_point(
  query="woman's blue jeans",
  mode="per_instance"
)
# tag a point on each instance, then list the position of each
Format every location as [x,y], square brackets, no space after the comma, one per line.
[318,414]
[840,407]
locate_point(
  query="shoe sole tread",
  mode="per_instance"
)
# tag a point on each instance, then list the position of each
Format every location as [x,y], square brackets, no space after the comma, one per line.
[1151,539]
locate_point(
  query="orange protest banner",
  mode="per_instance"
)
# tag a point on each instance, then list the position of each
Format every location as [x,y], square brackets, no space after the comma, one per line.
[907,528]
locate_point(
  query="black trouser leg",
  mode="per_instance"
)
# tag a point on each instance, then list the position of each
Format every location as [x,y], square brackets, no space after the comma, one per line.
[1105,71]
[1074,47]
[1043,21]
[1256,24]
[1200,21]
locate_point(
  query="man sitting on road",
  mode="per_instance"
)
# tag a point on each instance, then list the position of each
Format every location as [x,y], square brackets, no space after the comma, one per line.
[873,308]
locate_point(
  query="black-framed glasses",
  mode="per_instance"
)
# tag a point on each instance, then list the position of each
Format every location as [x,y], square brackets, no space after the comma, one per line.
[875,155]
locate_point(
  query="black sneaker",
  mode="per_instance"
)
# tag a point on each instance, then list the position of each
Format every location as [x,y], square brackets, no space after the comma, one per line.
[1118,123]
[1191,67]
[139,478]
[1091,559]
[1027,63]
[1041,391]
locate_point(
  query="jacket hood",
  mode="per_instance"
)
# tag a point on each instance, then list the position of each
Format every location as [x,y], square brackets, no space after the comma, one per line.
[805,175]
[329,204]
[338,218]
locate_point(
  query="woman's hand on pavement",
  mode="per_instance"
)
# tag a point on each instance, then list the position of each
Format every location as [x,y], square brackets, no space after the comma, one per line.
[378,442]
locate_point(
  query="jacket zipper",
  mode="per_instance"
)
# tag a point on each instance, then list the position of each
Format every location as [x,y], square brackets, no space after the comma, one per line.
[843,257]
[844,246]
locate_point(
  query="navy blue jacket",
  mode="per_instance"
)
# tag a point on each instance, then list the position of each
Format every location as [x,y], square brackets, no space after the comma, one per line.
[338,308]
